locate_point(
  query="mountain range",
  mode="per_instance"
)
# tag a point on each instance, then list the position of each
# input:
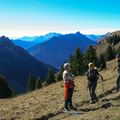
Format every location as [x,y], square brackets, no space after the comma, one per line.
[24,44]
[94,37]
[16,64]
[58,49]
[27,42]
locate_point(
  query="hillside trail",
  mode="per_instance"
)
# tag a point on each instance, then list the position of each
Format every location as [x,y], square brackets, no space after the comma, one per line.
[47,103]
[106,101]
[108,98]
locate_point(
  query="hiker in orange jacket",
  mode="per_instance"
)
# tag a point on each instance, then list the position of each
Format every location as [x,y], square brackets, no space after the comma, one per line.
[68,79]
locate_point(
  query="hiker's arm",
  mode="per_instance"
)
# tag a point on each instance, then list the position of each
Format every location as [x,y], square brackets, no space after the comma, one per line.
[101,76]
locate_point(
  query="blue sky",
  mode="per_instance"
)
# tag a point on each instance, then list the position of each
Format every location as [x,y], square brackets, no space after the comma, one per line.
[36,17]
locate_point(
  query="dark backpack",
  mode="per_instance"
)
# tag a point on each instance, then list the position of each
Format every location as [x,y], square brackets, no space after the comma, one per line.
[92,75]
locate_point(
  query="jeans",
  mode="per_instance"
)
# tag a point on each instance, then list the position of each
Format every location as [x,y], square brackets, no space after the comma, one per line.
[68,101]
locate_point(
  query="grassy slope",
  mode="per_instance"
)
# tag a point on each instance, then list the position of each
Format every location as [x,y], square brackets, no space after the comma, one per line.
[101,48]
[48,102]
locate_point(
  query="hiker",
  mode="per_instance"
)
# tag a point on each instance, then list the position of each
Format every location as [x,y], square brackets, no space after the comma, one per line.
[68,79]
[118,68]
[92,77]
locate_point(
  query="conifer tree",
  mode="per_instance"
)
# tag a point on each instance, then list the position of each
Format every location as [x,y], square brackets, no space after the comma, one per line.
[38,83]
[109,53]
[31,83]
[50,77]
[58,76]
[90,56]
[102,61]
[5,90]
[77,63]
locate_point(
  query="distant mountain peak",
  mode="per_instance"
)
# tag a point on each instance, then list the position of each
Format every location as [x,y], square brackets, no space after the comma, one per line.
[5,41]
[78,33]
[13,62]
[52,34]
[44,51]
[4,38]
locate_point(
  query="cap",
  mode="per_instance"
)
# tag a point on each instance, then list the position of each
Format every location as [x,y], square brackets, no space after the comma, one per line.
[66,65]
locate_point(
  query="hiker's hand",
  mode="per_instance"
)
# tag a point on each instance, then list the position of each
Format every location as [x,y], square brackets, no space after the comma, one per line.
[102,78]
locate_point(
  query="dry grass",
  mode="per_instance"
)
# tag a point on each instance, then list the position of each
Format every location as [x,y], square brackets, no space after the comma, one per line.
[48,102]
[101,48]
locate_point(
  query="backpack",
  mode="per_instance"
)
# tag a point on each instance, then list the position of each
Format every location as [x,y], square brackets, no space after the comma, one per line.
[92,75]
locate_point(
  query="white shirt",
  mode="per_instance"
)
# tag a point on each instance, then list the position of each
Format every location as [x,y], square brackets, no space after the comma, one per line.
[67,76]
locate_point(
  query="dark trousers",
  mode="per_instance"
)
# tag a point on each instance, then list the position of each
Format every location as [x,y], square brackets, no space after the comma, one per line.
[68,101]
[92,87]
[118,82]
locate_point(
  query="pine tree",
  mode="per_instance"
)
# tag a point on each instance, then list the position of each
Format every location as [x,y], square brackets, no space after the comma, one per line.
[102,61]
[50,77]
[5,90]
[109,53]
[31,83]
[71,60]
[58,76]
[114,39]
[90,56]
[76,62]
[38,83]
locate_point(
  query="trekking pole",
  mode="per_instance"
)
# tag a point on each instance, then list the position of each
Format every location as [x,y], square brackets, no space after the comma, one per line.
[103,88]
[78,91]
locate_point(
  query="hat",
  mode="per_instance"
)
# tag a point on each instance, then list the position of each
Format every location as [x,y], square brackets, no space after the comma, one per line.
[66,65]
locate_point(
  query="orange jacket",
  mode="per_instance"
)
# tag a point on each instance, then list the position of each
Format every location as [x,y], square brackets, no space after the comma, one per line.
[67,85]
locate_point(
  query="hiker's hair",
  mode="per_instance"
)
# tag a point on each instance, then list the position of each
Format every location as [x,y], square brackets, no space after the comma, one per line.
[90,64]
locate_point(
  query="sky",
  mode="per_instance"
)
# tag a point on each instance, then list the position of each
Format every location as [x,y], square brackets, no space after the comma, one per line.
[36,17]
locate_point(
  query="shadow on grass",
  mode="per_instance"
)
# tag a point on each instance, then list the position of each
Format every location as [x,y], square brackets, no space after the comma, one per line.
[105,105]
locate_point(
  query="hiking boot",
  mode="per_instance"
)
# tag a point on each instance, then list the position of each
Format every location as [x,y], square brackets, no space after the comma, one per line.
[96,100]
[72,107]
[66,109]
[92,102]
